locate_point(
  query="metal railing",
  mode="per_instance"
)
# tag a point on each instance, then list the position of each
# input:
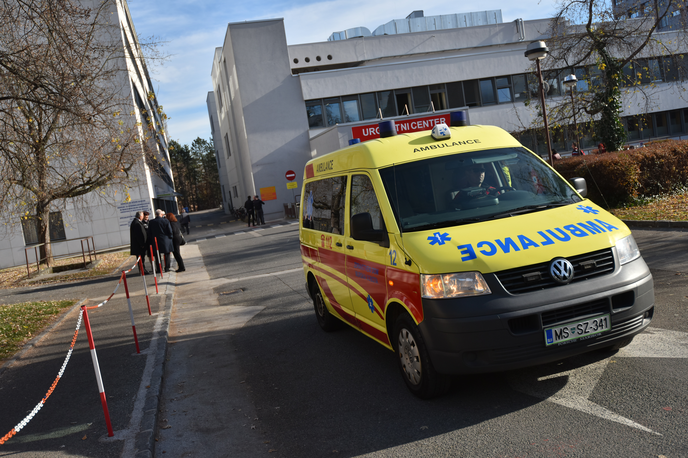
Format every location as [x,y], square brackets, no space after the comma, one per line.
[90,249]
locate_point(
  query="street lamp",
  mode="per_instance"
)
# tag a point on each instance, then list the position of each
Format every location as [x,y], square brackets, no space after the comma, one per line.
[537,51]
[570,82]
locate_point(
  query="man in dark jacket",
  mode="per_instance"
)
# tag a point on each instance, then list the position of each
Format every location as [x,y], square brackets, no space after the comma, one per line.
[248,205]
[138,239]
[160,229]
[258,210]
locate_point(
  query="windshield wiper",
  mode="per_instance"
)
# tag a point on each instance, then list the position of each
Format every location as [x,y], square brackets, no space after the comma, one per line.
[529,209]
[458,222]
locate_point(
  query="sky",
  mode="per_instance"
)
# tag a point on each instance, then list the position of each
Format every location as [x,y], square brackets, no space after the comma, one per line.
[190,30]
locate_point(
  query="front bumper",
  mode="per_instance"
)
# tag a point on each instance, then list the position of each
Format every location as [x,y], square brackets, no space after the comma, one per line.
[503,331]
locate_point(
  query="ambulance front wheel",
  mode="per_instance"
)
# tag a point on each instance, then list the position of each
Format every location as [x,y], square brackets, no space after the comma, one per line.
[326,320]
[414,361]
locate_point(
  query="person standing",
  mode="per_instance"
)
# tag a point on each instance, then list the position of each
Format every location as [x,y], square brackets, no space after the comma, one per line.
[138,240]
[248,205]
[258,210]
[160,229]
[185,219]
[176,241]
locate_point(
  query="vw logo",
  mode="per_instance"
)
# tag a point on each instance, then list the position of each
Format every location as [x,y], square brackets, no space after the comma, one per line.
[561,271]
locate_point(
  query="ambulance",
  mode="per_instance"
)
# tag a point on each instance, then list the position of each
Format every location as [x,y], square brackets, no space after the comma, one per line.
[464,252]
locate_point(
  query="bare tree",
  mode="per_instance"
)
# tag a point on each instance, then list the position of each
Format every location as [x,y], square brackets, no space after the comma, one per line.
[607,39]
[66,125]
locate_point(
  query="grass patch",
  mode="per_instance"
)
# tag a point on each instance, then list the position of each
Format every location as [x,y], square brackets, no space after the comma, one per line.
[21,322]
[16,276]
[658,208]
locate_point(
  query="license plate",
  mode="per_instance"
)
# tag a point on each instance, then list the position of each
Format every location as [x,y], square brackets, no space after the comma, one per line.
[573,331]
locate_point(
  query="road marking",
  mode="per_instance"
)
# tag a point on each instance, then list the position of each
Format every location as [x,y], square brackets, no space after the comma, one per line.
[200,240]
[572,388]
[255,233]
[240,232]
[222,281]
[220,236]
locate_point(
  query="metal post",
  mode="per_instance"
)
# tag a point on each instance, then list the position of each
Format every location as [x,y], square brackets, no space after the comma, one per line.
[96,369]
[544,114]
[83,255]
[575,123]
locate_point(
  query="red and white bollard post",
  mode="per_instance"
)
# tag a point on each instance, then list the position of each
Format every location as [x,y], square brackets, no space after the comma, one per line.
[131,312]
[159,259]
[96,368]
[145,286]
[154,274]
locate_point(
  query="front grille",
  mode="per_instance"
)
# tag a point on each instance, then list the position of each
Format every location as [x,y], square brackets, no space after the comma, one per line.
[575,312]
[536,277]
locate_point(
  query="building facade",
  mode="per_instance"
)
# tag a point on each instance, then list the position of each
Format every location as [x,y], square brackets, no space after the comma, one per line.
[279,105]
[107,217]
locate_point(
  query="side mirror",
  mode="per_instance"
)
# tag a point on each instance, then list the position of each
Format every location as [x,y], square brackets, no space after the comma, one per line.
[579,185]
[362,229]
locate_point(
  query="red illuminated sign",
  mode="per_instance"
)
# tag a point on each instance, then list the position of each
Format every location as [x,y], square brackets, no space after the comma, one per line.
[403,126]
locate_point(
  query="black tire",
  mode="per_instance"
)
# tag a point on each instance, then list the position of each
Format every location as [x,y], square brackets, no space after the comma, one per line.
[414,361]
[326,320]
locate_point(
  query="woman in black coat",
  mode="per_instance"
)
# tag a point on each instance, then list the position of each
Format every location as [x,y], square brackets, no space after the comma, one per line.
[176,241]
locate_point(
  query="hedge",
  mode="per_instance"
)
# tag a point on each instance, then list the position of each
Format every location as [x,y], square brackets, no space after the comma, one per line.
[622,177]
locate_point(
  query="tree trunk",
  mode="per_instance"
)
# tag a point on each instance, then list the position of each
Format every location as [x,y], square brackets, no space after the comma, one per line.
[43,226]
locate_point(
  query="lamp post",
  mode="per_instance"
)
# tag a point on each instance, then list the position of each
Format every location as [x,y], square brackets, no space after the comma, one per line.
[537,51]
[570,82]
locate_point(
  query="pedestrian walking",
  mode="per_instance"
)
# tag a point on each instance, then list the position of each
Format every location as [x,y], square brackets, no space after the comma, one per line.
[138,240]
[146,221]
[258,210]
[160,229]
[248,205]
[177,239]
[184,220]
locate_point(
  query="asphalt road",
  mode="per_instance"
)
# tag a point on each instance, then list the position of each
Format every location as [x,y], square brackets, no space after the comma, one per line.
[308,393]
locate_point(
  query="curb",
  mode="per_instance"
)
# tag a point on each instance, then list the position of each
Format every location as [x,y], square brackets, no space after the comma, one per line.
[657,224]
[145,439]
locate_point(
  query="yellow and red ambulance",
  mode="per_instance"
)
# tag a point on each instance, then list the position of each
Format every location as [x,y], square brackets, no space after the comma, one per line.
[464,252]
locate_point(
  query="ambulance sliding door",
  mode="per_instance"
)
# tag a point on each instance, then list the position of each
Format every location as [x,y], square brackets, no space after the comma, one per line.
[365,266]
[326,199]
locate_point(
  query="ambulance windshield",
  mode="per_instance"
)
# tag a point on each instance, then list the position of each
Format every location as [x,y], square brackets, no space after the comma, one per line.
[470,187]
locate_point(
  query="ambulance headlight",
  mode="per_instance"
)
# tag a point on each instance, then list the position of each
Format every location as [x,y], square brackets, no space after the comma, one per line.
[627,250]
[454,285]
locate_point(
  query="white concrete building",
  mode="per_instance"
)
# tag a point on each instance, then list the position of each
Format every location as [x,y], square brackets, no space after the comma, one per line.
[107,219]
[277,106]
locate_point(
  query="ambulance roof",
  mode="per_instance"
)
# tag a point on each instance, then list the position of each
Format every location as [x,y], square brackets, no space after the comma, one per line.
[383,152]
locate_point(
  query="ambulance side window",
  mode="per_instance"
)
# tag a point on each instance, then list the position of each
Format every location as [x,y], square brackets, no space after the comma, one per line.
[324,202]
[364,200]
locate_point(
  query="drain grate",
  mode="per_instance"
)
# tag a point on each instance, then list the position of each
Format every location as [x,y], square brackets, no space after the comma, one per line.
[234,291]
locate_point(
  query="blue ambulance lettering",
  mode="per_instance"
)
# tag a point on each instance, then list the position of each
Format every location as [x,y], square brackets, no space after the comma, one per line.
[547,237]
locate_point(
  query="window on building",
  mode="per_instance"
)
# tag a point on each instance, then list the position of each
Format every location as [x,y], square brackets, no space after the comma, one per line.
[325,201]
[386,103]
[212,125]
[648,71]
[219,97]
[235,191]
[314,113]
[503,89]
[471,92]
[675,121]
[229,152]
[421,99]
[217,158]
[403,99]
[583,80]
[633,128]
[670,69]
[55,227]
[554,85]
[368,106]
[438,96]
[661,125]
[350,108]
[333,112]
[487,92]
[520,88]
[455,95]
[628,76]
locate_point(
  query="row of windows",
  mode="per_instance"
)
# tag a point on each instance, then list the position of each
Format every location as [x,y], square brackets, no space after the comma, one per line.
[482,92]
[55,227]
[638,128]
